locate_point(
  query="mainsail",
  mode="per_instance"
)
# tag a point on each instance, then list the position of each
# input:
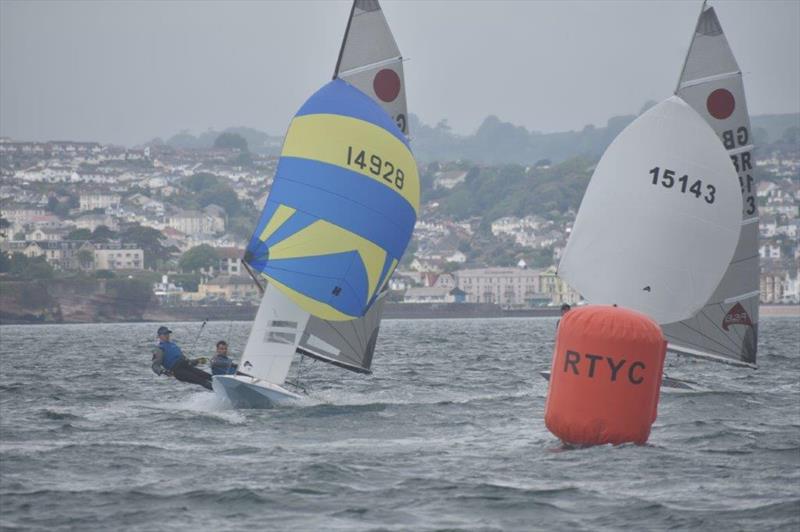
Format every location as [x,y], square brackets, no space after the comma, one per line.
[347,344]
[726,327]
[660,218]
[370,60]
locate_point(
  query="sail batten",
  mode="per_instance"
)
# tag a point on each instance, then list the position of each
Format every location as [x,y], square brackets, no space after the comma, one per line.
[715,77]
[377,64]
[711,82]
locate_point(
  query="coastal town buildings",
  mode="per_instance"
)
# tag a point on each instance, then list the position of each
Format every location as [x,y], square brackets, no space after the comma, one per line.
[52,192]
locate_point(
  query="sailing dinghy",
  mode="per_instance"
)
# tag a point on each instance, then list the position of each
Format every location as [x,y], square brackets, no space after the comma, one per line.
[725,327]
[660,220]
[338,219]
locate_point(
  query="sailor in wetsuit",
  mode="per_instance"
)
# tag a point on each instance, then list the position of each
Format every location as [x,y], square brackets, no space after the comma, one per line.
[168,359]
[221,364]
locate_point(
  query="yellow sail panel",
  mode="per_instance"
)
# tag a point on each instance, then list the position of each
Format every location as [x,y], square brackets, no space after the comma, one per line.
[358,146]
[314,307]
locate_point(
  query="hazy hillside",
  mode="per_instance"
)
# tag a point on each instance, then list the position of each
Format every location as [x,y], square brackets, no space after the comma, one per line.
[495,141]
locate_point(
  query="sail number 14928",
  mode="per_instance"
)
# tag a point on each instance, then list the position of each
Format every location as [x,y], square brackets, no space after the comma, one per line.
[667,179]
[376,165]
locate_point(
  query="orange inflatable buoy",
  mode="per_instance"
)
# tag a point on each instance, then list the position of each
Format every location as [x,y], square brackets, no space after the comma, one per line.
[606,376]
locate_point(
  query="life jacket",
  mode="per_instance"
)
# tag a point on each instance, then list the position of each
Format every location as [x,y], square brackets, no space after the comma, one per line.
[222,365]
[172,354]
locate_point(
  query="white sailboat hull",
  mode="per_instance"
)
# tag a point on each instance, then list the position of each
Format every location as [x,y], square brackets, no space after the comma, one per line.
[248,392]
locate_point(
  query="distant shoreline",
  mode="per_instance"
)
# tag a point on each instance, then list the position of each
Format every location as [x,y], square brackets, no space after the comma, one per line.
[779,310]
[394,311]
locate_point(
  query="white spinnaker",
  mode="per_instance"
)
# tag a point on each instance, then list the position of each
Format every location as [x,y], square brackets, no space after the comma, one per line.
[711,83]
[274,337]
[370,60]
[656,248]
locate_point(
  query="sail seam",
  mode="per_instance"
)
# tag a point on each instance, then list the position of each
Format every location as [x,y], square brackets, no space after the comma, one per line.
[344,339]
[722,346]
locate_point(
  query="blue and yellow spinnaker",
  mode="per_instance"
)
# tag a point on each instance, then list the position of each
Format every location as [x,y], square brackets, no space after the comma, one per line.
[342,207]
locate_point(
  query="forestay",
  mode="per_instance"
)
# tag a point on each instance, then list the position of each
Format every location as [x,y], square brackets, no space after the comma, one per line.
[370,60]
[711,82]
[660,218]
[342,206]
[274,337]
[347,344]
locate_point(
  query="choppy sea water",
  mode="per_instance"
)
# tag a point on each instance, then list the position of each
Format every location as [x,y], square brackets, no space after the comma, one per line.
[447,434]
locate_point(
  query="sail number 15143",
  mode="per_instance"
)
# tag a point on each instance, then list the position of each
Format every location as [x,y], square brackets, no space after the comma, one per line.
[376,165]
[668,180]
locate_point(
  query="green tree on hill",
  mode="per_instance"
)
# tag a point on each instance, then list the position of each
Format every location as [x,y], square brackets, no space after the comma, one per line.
[21,267]
[148,240]
[201,181]
[197,258]
[79,234]
[231,141]
[103,234]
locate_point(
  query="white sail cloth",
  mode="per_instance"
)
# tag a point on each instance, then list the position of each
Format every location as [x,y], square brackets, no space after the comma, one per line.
[274,337]
[660,219]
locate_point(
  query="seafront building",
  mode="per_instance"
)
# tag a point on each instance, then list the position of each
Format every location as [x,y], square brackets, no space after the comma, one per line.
[507,287]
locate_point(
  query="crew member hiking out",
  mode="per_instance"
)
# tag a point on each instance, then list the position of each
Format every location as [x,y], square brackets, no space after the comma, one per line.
[221,364]
[168,359]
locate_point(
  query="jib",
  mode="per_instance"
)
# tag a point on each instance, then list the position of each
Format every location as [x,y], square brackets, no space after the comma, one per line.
[573,361]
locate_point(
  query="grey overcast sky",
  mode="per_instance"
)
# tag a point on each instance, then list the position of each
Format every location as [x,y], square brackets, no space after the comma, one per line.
[128,71]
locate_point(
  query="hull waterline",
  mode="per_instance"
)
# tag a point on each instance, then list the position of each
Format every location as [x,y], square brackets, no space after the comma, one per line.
[249,392]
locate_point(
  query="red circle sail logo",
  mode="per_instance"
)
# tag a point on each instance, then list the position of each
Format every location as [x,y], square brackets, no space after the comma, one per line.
[720,104]
[386,85]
